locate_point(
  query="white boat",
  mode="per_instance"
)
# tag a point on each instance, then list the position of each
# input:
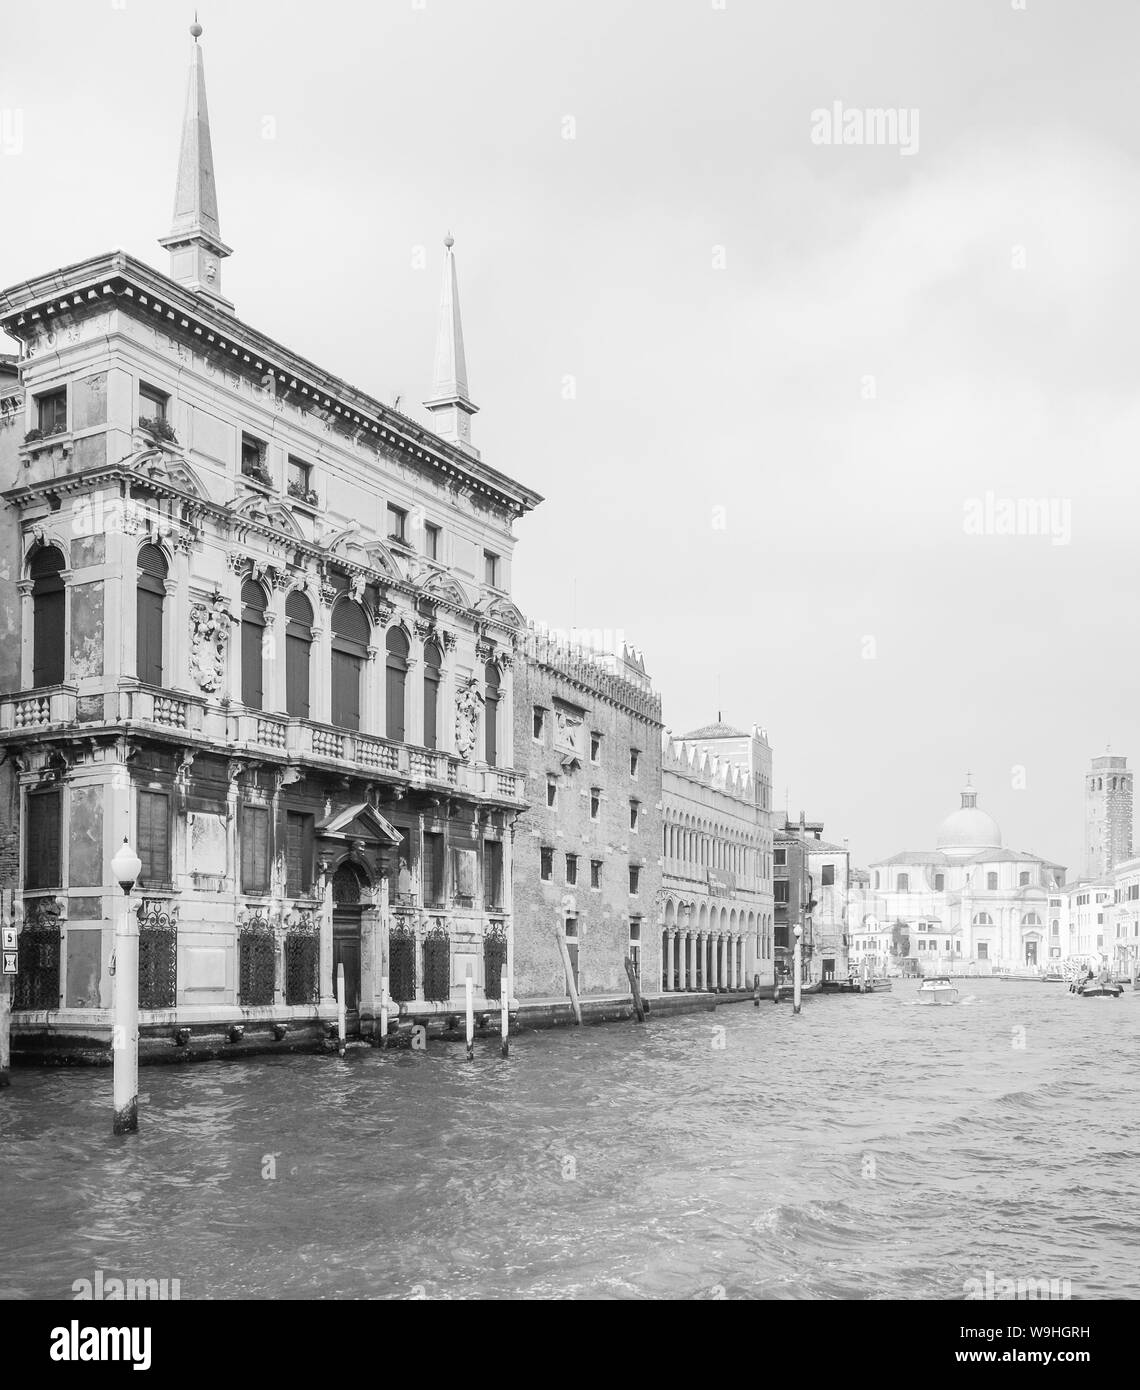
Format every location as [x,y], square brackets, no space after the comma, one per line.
[938,989]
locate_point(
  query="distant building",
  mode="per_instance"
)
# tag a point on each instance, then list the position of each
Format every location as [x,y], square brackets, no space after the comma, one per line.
[812,884]
[969,902]
[716,919]
[587,850]
[1108,815]
[259,623]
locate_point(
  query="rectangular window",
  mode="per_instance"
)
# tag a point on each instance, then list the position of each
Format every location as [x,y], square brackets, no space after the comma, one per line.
[634,814]
[546,864]
[939,882]
[827,876]
[571,868]
[492,875]
[991,883]
[595,747]
[397,524]
[43,865]
[634,757]
[253,458]
[571,929]
[983,950]
[904,883]
[255,849]
[539,726]
[153,839]
[431,541]
[634,878]
[551,792]
[433,870]
[153,403]
[299,482]
[51,411]
[595,802]
[780,891]
[491,569]
[595,873]
[1023,879]
[780,858]
[298,853]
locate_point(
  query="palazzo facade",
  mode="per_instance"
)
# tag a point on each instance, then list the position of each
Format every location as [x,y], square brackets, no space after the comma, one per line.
[258,624]
[716,920]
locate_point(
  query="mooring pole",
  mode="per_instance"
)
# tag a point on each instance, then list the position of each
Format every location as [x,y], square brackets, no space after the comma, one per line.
[571,987]
[504,1012]
[340,1009]
[635,990]
[383,1011]
[866,968]
[797,971]
[5,1029]
[126,867]
[469,991]
[755,991]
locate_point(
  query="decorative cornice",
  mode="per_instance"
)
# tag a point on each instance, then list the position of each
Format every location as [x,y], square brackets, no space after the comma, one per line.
[117,276]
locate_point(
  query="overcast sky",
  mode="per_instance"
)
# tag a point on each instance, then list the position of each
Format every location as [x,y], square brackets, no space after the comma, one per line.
[794,364]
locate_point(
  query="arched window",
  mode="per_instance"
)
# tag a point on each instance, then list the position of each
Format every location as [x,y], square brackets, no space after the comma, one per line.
[491,716]
[396,665]
[991,883]
[350,634]
[298,641]
[252,633]
[1031,919]
[433,660]
[983,919]
[47,616]
[151,596]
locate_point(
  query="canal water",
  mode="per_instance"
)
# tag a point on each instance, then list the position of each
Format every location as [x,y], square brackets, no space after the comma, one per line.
[869,1148]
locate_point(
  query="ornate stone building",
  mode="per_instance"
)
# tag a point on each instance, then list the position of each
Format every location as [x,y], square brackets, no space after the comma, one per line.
[716,919]
[587,849]
[968,903]
[259,623]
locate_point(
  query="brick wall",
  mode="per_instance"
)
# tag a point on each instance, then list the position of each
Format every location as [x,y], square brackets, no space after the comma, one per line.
[603,914]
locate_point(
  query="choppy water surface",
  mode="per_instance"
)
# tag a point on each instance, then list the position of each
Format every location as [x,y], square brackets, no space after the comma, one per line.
[868,1148]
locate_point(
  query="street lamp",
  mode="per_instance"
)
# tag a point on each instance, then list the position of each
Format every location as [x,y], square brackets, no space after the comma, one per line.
[125,869]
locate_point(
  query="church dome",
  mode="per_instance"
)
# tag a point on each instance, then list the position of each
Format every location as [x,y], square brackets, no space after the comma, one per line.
[968,830]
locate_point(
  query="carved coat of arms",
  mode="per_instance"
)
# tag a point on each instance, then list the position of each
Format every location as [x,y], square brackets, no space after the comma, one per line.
[209,632]
[467,704]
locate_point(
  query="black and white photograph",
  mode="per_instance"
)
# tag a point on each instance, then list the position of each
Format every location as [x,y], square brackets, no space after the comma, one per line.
[568,685]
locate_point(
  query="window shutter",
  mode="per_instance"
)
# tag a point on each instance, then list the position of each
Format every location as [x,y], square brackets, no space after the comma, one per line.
[346,690]
[47,617]
[43,866]
[255,850]
[296,676]
[298,853]
[154,837]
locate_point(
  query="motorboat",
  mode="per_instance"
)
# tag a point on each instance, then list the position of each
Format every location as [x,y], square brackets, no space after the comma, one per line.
[1053,977]
[1098,989]
[938,989]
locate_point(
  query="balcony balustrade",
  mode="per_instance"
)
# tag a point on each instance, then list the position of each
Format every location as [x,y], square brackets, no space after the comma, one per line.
[236,729]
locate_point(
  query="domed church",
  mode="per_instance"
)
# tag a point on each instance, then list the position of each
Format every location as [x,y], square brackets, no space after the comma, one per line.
[967,903]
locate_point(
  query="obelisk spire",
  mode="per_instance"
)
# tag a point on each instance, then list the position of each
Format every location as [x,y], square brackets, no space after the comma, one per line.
[450,405]
[195,239]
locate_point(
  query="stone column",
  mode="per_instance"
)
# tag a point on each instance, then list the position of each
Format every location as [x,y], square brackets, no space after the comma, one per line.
[699,972]
[669,953]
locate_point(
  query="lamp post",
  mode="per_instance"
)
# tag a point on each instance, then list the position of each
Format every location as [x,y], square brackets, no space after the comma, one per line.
[125,869]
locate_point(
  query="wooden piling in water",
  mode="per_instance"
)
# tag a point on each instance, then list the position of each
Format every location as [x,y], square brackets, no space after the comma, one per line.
[5,1029]
[570,985]
[340,1028]
[504,1008]
[635,990]
[797,971]
[383,1011]
[469,992]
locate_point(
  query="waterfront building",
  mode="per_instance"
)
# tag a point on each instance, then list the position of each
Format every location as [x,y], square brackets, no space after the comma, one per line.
[715,922]
[1120,949]
[587,863]
[811,891]
[1108,815]
[258,623]
[969,903]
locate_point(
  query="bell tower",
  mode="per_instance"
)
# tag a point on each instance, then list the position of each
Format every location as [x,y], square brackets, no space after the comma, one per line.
[195,240]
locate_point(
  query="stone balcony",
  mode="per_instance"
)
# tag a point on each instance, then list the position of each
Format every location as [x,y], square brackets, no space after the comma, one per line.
[240,731]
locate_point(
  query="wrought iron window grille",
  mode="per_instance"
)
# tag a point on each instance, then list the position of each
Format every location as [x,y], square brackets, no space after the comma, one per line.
[158,953]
